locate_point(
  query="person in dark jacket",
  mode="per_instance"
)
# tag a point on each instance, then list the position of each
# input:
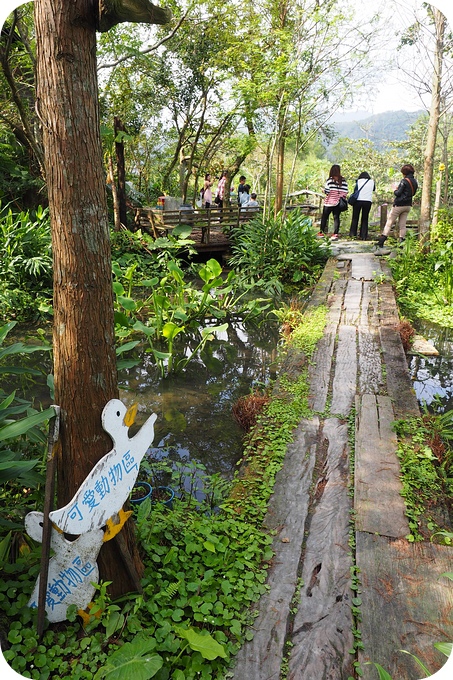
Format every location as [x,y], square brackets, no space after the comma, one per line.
[401,205]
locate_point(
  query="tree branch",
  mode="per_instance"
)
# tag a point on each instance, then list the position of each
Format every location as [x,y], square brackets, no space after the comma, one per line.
[113,12]
[148,49]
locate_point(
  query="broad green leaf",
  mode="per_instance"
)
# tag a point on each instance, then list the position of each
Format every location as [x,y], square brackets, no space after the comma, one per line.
[121,319]
[132,661]
[116,269]
[209,546]
[127,303]
[6,402]
[139,326]
[205,644]
[171,330]
[18,370]
[158,355]
[182,230]
[21,426]
[4,330]
[127,346]
[126,363]
[211,330]
[149,283]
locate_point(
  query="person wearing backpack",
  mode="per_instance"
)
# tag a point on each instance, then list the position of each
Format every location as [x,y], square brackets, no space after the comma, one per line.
[361,205]
[401,205]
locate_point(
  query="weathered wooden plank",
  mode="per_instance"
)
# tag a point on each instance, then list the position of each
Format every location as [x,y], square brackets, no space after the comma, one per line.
[345,377]
[322,627]
[377,499]
[387,306]
[399,386]
[369,315]
[323,286]
[370,378]
[352,303]
[262,657]
[364,266]
[319,369]
[406,604]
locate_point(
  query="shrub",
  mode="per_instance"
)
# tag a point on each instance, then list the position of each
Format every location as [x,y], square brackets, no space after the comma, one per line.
[283,248]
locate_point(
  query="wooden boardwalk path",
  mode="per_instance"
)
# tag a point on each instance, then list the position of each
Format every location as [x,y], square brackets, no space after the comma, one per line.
[305,623]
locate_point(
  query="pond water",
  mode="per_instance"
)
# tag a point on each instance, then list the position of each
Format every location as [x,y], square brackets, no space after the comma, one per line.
[194,409]
[433,376]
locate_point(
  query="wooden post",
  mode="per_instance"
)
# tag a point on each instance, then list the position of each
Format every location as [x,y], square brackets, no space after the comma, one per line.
[383,216]
[54,433]
[437,198]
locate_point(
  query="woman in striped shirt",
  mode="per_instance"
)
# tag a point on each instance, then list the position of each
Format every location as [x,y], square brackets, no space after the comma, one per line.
[335,188]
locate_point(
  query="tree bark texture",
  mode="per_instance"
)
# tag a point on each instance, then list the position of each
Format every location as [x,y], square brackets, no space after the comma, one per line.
[433,123]
[83,338]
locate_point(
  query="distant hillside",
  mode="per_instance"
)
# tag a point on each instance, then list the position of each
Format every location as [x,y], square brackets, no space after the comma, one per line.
[381,128]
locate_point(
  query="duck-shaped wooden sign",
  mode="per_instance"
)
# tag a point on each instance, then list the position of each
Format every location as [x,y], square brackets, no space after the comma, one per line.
[71,572]
[101,496]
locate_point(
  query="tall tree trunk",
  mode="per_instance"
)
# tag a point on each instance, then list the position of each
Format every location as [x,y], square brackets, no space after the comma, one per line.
[84,342]
[433,124]
[121,172]
[114,188]
[280,167]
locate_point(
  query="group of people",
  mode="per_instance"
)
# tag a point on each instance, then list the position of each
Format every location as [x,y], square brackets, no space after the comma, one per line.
[245,199]
[336,190]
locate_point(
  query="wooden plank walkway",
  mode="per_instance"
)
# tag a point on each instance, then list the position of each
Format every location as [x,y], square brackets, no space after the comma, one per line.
[304,627]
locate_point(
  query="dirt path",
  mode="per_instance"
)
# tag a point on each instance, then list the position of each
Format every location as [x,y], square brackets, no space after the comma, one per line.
[337,587]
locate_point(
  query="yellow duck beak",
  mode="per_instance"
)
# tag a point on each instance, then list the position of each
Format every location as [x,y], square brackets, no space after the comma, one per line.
[129,417]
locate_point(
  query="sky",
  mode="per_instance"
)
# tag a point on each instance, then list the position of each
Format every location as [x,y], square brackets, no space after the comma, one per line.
[390,92]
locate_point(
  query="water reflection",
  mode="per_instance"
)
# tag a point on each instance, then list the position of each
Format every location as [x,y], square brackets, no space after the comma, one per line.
[433,376]
[194,409]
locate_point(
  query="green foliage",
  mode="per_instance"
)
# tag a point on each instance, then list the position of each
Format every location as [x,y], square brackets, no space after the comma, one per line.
[132,661]
[306,335]
[282,249]
[17,417]
[424,281]
[427,478]
[173,308]
[26,263]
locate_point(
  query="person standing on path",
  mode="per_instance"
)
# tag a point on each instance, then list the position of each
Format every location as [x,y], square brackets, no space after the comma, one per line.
[364,186]
[220,193]
[207,191]
[402,204]
[241,188]
[335,188]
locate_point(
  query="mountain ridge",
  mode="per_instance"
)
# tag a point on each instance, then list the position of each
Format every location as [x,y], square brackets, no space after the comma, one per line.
[380,128]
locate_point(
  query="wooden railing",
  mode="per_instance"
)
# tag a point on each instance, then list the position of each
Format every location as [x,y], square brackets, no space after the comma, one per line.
[159,223]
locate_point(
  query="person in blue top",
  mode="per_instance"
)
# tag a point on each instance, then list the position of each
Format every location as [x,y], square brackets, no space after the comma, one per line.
[364,186]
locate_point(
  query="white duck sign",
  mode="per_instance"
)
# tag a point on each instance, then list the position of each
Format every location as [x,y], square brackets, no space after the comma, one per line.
[72,570]
[102,494]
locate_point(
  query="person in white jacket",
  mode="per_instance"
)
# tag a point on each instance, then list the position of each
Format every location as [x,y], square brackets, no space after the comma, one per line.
[364,186]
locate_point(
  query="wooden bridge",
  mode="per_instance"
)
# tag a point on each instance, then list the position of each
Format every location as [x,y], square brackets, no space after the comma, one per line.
[209,227]
[346,585]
